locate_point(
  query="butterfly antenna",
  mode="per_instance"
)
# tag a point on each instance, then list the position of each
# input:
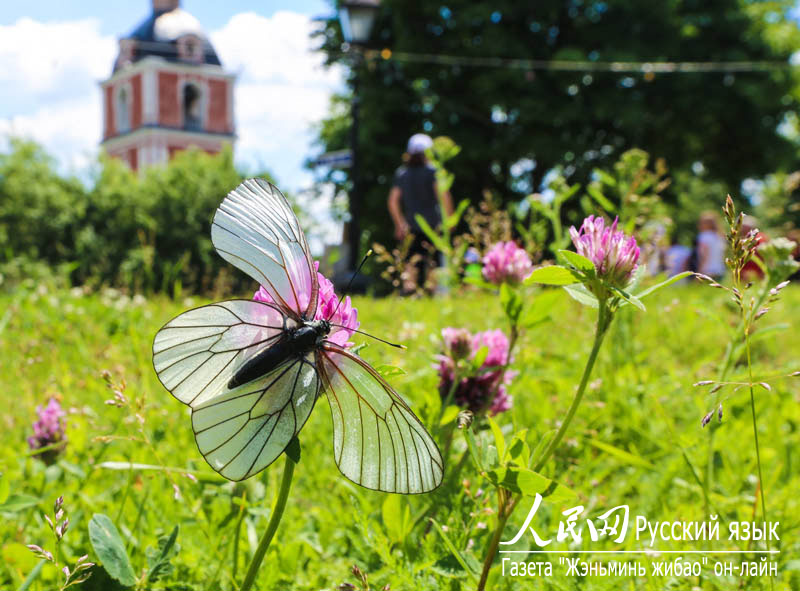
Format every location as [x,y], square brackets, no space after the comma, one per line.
[350,283]
[372,336]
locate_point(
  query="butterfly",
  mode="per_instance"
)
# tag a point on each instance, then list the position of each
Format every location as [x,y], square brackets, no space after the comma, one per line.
[251,371]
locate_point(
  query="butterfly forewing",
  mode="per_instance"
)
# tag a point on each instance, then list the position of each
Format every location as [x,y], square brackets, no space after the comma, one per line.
[256,230]
[243,431]
[195,354]
[378,441]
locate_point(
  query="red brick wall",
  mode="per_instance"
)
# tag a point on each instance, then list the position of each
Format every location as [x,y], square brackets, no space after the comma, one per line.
[218,106]
[109,109]
[136,102]
[169,112]
[133,159]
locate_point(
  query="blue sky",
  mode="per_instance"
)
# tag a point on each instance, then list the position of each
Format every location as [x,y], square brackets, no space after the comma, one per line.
[54,53]
[119,17]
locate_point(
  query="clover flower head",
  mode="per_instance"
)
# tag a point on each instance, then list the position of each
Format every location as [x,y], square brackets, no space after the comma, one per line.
[345,318]
[505,262]
[457,342]
[484,388]
[615,255]
[502,401]
[48,429]
[497,343]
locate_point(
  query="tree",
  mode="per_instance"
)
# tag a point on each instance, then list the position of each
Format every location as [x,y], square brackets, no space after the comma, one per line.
[515,125]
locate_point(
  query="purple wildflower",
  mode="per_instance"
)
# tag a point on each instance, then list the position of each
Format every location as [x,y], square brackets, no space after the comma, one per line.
[346,317]
[614,254]
[457,342]
[484,390]
[506,263]
[48,430]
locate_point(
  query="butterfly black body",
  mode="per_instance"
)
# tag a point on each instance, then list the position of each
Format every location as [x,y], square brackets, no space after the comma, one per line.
[297,342]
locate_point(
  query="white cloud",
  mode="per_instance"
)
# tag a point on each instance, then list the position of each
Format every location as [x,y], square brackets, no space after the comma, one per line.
[49,73]
[281,90]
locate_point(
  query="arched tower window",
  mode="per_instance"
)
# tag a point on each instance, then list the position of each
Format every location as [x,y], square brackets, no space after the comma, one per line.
[192,108]
[123,110]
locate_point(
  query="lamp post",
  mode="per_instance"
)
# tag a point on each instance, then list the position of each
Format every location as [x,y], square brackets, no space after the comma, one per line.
[357,18]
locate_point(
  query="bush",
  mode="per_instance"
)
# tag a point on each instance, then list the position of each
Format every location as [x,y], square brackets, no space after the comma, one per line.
[143,232]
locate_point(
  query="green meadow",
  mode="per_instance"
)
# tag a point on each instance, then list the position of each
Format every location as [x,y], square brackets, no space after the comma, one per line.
[636,440]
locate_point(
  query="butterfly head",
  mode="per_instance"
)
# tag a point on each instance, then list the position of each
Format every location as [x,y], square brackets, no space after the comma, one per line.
[321,327]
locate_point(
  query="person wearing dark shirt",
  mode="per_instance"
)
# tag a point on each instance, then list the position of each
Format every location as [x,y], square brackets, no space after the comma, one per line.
[413,192]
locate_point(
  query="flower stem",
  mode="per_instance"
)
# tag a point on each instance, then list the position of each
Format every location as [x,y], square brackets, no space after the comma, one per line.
[274,520]
[603,320]
[504,511]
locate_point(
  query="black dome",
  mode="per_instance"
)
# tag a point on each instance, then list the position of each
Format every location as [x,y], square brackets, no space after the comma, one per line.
[158,36]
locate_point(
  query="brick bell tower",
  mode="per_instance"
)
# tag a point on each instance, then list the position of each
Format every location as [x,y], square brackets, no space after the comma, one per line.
[167,92]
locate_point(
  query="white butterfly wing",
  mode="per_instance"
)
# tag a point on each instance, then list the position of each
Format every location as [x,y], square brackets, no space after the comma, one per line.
[197,353]
[378,441]
[246,429]
[256,230]
[239,431]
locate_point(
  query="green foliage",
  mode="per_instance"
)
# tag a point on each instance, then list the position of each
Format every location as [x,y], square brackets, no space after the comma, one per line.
[631,191]
[544,218]
[40,211]
[628,444]
[778,205]
[110,549]
[444,149]
[143,232]
[578,121]
[158,559]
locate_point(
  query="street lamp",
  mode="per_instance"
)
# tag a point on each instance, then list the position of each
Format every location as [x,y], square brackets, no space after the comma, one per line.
[357,18]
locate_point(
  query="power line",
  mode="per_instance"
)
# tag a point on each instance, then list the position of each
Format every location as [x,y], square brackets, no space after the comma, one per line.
[631,67]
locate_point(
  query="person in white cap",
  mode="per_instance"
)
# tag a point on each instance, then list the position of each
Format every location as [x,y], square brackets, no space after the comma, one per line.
[414,192]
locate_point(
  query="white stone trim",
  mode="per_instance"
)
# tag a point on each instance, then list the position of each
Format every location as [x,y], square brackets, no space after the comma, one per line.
[126,87]
[155,134]
[149,97]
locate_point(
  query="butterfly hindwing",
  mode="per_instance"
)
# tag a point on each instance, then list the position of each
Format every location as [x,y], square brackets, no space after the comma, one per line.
[243,431]
[256,230]
[378,441]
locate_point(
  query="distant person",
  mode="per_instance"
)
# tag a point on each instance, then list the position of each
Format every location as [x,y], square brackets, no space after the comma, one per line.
[710,247]
[414,192]
[676,259]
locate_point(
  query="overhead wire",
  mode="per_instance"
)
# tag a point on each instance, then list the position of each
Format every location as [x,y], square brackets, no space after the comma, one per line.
[643,67]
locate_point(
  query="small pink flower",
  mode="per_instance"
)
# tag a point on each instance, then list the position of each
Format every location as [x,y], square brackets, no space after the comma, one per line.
[345,319]
[497,343]
[502,401]
[48,429]
[485,389]
[614,254]
[457,342]
[506,263]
